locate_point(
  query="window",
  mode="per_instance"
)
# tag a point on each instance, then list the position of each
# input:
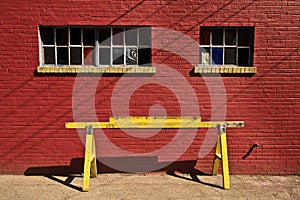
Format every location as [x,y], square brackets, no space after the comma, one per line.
[226,46]
[100,46]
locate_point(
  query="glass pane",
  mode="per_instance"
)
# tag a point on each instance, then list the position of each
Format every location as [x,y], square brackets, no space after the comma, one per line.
[88,37]
[243,57]
[118,36]
[49,55]
[244,37]
[131,56]
[105,37]
[204,55]
[118,56]
[144,57]
[47,36]
[217,56]
[104,56]
[76,56]
[62,36]
[75,36]
[145,36]
[89,56]
[131,36]
[205,36]
[62,56]
[230,56]
[230,37]
[217,37]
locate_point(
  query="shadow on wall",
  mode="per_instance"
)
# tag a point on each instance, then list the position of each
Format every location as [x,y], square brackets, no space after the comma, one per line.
[134,163]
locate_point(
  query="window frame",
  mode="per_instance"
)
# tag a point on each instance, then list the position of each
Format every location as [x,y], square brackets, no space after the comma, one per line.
[227,68]
[96,56]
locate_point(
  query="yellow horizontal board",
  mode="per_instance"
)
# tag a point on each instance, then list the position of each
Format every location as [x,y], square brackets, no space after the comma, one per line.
[154,123]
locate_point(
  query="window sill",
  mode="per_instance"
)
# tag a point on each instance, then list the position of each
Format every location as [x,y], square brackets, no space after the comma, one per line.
[221,69]
[93,69]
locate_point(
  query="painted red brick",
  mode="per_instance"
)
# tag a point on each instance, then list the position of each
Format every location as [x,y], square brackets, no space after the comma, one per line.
[34,107]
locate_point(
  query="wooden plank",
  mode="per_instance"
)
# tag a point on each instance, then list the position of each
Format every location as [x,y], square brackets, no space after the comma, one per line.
[225,167]
[146,122]
[217,157]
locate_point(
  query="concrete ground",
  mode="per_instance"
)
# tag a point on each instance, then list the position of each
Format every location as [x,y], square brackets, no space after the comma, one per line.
[149,186]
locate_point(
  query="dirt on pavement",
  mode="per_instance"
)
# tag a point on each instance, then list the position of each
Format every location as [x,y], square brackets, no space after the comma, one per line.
[149,186]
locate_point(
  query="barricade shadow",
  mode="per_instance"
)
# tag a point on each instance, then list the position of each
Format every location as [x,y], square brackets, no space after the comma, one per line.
[129,164]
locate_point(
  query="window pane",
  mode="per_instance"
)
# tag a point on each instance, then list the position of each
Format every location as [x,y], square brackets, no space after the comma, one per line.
[105,37]
[204,55]
[118,36]
[131,37]
[62,36]
[88,37]
[244,37]
[217,56]
[145,36]
[230,37]
[62,56]
[144,56]
[75,36]
[230,56]
[131,56]
[47,36]
[89,56]
[104,56]
[49,55]
[217,37]
[205,36]
[243,57]
[118,56]
[76,56]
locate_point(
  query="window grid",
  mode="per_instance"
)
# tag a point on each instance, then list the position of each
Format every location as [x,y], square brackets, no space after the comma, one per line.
[224,46]
[96,47]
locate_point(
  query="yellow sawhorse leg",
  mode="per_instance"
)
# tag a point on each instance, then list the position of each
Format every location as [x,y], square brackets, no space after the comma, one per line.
[221,154]
[90,164]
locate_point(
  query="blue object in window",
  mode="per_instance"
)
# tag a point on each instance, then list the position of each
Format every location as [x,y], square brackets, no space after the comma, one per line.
[217,56]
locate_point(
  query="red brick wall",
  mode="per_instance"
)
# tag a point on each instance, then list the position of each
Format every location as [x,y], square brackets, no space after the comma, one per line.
[34,107]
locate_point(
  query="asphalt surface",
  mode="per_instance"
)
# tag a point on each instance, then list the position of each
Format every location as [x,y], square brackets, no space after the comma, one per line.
[149,186]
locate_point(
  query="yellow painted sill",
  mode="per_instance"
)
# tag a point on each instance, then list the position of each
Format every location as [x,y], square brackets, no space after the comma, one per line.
[94,69]
[224,69]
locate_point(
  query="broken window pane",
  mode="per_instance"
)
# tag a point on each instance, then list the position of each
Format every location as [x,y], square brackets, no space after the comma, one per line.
[131,56]
[47,35]
[217,56]
[131,36]
[88,37]
[204,55]
[217,37]
[118,56]
[243,57]
[204,36]
[243,37]
[76,54]
[230,37]
[49,55]
[62,56]
[144,56]
[89,56]
[62,36]
[118,36]
[230,56]
[105,37]
[104,56]
[145,36]
[75,34]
